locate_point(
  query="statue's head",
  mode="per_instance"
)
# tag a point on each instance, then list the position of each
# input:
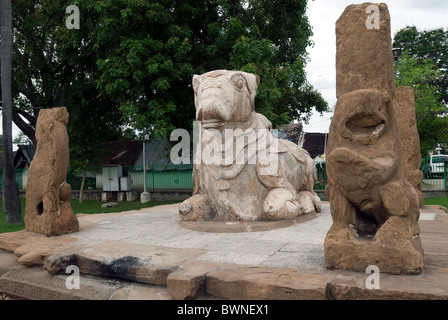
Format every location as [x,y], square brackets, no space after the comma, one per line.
[223,96]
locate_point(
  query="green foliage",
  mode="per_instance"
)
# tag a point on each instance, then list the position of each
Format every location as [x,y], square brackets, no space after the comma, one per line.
[426,65]
[427,45]
[155,47]
[146,62]
[431,114]
[56,67]
[130,65]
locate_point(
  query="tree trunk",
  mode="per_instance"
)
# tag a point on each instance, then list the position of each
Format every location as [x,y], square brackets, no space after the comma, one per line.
[82,184]
[11,201]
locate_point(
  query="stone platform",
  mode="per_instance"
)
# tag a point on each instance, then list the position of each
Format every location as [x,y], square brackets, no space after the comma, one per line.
[148,254]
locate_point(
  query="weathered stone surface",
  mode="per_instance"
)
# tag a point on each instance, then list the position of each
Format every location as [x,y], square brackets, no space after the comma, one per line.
[136,291]
[246,283]
[32,248]
[109,205]
[361,62]
[243,226]
[12,240]
[189,281]
[48,209]
[8,261]
[241,171]
[183,286]
[345,287]
[375,210]
[120,260]
[411,158]
[36,284]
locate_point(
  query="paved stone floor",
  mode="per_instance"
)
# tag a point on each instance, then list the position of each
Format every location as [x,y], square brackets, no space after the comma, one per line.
[147,254]
[297,246]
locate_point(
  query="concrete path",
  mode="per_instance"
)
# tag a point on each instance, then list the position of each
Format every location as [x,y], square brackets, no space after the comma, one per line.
[147,254]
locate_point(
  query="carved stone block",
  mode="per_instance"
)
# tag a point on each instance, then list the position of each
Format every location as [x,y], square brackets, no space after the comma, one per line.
[374,208]
[48,210]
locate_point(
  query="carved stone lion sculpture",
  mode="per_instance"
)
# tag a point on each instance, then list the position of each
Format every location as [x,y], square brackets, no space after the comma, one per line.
[241,172]
[375,210]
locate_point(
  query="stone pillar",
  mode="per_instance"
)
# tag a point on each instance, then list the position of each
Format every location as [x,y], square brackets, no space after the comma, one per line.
[107,196]
[411,158]
[131,196]
[145,197]
[121,196]
[375,210]
[48,209]
[364,58]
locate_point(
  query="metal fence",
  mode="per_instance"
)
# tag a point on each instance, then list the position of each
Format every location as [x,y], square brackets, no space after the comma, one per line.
[180,177]
[321,181]
[166,177]
[434,173]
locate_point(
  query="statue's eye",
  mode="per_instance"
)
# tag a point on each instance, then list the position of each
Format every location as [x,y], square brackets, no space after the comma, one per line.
[239,83]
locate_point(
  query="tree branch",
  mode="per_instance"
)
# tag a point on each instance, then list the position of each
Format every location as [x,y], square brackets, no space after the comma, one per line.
[30,118]
[26,128]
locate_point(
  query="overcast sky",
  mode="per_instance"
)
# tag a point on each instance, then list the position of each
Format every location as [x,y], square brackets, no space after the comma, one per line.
[322,15]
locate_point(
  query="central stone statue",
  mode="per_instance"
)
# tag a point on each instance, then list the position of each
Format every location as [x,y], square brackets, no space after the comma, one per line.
[241,172]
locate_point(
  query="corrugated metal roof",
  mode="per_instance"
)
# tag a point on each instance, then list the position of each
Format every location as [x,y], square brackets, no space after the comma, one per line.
[121,153]
[157,152]
[28,151]
[127,153]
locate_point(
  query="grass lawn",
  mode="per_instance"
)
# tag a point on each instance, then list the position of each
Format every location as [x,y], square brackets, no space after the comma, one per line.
[87,206]
[439,201]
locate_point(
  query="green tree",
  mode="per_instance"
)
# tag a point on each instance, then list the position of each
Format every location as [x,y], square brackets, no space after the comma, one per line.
[55,66]
[427,44]
[10,191]
[21,138]
[155,47]
[431,114]
[131,62]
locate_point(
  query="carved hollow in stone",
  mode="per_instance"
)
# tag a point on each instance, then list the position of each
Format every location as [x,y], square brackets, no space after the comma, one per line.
[48,209]
[241,172]
[375,210]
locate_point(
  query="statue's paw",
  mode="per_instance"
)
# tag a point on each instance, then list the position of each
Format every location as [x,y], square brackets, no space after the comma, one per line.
[194,208]
[185,208]
[279,204]
[308,202]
